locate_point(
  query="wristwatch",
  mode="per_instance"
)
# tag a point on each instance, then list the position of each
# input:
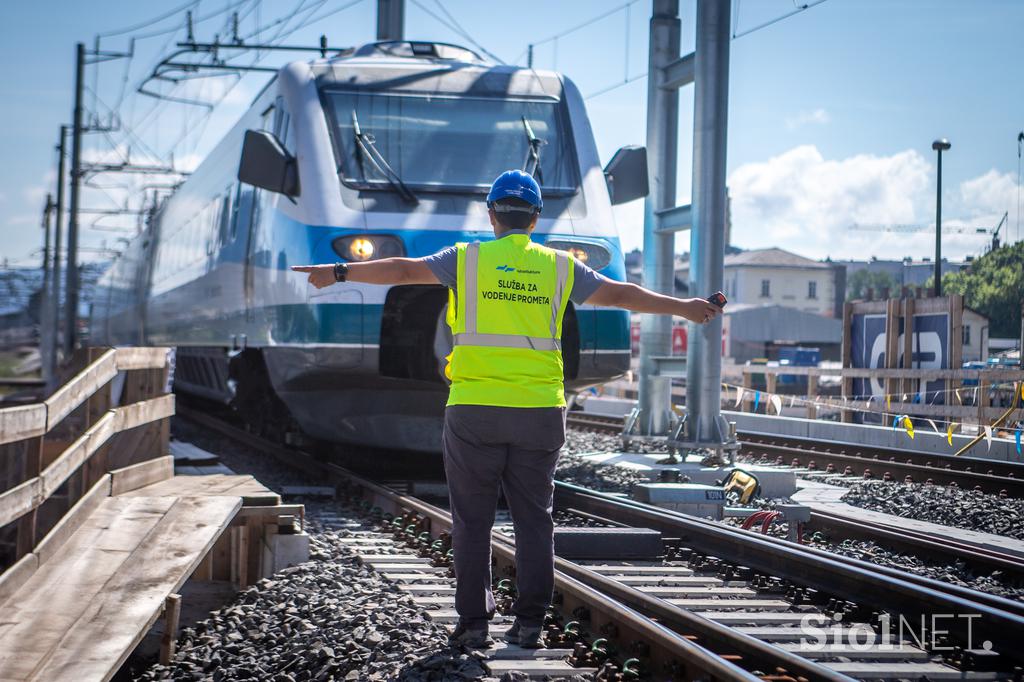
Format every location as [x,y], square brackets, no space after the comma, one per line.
[340,272]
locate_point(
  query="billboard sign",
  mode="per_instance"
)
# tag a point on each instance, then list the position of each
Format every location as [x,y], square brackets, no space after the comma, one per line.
[930,348]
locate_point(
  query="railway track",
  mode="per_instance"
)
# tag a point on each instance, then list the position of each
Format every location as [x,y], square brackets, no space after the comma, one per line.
[837,526]
[725,602]
[1005,478]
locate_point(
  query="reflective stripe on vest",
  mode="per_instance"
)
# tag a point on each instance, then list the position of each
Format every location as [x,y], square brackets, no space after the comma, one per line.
[471,338]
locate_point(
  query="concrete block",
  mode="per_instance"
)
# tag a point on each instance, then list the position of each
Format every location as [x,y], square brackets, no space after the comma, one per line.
[608,543]
[689,498]
[281,551]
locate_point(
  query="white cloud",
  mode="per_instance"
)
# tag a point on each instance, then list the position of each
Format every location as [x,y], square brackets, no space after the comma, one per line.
[815,116]
[805,203]
[991,194]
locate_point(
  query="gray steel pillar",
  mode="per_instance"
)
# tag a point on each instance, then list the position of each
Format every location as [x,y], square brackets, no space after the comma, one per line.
[390,19]
[45,323]
[71,312]
[655,393]
[57,348]
[707,236]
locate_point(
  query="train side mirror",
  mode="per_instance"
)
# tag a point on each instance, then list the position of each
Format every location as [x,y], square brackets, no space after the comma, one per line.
[266,164]
[626,174]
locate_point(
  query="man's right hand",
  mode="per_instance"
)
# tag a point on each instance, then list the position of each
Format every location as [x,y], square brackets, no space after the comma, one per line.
[320,276]
[699,310]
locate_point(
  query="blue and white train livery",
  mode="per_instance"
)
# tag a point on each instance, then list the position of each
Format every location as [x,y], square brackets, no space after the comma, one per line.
[385,150]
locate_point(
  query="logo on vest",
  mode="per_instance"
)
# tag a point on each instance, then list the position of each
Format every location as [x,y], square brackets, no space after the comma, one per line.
[505,268]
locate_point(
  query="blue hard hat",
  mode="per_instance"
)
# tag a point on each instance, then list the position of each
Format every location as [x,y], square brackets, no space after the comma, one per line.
[518,184]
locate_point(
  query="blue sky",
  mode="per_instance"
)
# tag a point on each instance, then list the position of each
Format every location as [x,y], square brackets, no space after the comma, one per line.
[831,118]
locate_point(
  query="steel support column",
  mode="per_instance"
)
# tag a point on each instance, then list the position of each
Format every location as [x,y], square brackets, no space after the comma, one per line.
[390,19]
[71,322]
[655,397]
[707,236]
[58,228]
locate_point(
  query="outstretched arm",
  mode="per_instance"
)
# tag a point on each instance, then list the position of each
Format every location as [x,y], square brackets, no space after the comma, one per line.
[383,271]
[636,298]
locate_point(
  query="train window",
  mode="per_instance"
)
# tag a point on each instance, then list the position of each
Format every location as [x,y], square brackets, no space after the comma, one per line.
[282,123]
[457,143]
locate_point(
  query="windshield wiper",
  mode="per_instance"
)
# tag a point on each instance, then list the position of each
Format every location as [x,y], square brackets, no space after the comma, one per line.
[532,163]
[366,151]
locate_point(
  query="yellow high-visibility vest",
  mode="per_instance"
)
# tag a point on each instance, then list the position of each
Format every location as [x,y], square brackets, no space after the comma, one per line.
[506,321]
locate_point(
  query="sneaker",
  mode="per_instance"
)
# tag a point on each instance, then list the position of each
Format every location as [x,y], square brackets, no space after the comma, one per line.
[472,637]
[526,636]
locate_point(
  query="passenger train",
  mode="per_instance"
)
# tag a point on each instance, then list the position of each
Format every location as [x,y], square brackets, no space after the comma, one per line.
[389,150]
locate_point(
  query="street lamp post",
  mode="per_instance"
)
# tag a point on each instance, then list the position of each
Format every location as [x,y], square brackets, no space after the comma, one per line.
[939,146]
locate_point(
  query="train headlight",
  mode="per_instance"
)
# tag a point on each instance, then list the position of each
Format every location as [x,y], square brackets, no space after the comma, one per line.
[593,255]
[364,247]
[360,249]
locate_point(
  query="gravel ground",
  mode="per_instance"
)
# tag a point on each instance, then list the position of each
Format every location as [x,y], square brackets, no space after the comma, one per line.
[957,507]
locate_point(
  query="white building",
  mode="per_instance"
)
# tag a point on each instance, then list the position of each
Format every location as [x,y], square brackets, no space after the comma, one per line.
[766,277]
[975,336]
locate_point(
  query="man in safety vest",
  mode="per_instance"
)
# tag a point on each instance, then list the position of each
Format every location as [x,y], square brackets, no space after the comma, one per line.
[505,420]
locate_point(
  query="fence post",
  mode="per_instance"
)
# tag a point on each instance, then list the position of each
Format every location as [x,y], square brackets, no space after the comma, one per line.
[812,390]
[33,461]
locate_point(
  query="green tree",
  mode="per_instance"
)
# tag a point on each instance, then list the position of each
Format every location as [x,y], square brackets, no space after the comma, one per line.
[994,286]
[859,282]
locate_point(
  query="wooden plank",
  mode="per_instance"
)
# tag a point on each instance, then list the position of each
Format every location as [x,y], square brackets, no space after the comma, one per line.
[15,576]
[957,411]
[141,358]
[78,452]
[20,423]
[137,414]
[73,520]
[20,500]
[75,392]
[995,375]
[892,331]
[908,345]
[141,474]
[51,601]
[812,391]
[117,619]
[252,492]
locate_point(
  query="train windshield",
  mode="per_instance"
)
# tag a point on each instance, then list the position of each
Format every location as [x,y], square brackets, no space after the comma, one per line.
[439,143]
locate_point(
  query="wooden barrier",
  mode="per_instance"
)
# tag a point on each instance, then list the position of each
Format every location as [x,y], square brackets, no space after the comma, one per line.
[981,411]
[80,465]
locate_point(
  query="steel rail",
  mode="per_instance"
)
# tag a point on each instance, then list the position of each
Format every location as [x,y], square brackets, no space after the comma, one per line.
[666,646]
[922,544]
[858,581]
[919,473]
[938,460]
[941,469]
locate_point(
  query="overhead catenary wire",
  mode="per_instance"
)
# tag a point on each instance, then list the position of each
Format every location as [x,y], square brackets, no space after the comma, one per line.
[465,34]
[801,8]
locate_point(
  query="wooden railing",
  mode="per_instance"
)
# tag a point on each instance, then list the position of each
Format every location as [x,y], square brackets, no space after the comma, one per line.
[112,414]
[905,382]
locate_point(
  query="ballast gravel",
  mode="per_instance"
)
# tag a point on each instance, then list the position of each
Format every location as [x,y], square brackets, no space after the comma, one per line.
[329,618]
[948,506]
[956,574]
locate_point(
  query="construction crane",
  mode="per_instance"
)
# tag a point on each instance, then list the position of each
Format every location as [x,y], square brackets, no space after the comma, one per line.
[929,227]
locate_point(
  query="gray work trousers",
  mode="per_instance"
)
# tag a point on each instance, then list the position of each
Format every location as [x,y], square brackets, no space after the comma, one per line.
[515,449]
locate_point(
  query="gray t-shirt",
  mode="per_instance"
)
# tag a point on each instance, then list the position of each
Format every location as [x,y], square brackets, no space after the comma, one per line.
[445,266]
